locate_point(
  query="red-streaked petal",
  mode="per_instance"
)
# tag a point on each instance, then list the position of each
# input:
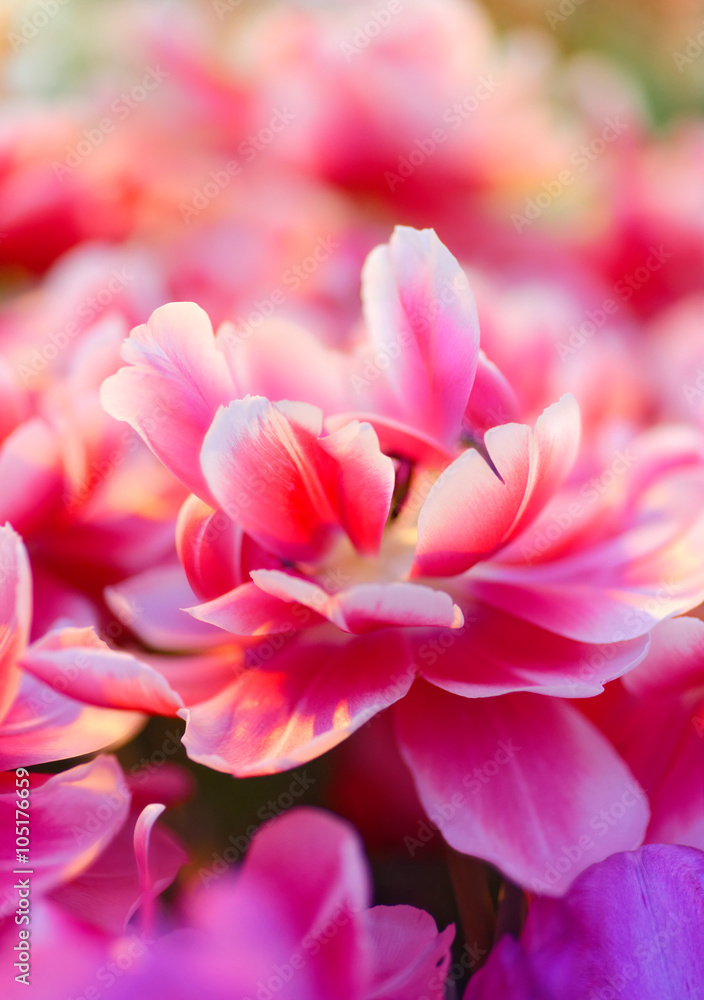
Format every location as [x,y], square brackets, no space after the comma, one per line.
[310,693]
[272,473]
[76,663]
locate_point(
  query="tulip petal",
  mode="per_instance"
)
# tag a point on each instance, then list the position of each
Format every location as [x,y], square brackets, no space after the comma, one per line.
[470,758]
[470,511]
[422,319]
[306,698]
[272,473]
[176,380]
[74,816]
[75,662]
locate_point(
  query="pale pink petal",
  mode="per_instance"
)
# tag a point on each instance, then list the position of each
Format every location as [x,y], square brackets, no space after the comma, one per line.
[522,781]
[43,725]
[310,693]
[176,380]
[272,473]
[410,958]
[250,610]
[268,363]
[151,606]
[31,475]
[422,320]
[471,510]
[76,663]
[367,606]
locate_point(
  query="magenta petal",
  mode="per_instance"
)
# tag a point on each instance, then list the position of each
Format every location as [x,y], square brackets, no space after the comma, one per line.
[496,653]
[311,692]
[15,611]
[110,890]
[675,661]
[176,380]
[508,975]
[631,927]
[422,318]
[76,663]
[470,511]
[410,958]
[520,781]
[492,402]
[74,816]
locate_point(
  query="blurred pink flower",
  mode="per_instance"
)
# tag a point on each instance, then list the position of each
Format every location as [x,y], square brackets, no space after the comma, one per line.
[296,922]
[67,693]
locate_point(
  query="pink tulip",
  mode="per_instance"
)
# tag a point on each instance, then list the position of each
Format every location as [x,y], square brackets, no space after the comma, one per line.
[363,556]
